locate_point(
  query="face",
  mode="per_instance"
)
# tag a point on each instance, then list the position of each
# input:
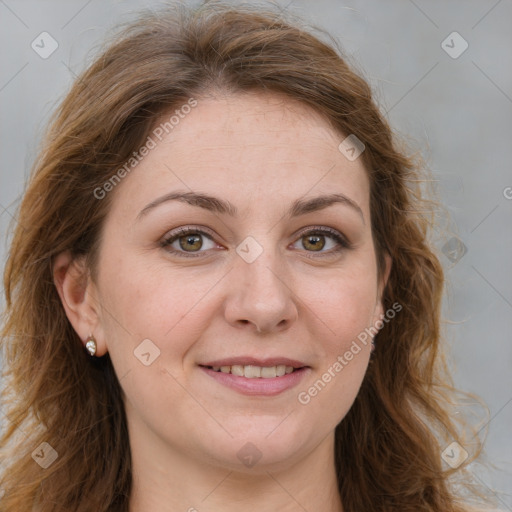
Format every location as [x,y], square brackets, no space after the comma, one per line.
[206,302]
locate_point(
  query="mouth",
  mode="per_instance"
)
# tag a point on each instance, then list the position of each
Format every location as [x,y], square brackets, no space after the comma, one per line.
[250,376]
[255,372]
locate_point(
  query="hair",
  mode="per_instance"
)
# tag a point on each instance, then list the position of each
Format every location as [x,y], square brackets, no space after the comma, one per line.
[388,447]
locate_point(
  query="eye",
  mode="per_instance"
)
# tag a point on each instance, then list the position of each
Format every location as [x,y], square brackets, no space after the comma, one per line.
[320,238]
[187,241]
[194,242]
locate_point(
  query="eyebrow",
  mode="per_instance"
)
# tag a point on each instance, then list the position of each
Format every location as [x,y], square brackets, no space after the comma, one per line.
[216,205]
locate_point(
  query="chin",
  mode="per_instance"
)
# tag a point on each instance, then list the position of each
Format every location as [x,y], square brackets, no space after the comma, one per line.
[256,452]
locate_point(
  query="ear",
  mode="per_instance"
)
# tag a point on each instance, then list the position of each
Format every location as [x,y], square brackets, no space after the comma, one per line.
[379,308]
[78,296]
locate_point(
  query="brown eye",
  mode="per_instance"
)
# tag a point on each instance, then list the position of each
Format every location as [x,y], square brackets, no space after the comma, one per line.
[322,240]
[313,242]
[190,242]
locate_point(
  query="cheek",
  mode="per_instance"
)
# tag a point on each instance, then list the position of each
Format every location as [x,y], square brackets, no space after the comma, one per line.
[165,305]
[344,303]
[344,310]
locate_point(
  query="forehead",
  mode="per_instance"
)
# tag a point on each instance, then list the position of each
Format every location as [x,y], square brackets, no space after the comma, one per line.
[247,148]
[251,122]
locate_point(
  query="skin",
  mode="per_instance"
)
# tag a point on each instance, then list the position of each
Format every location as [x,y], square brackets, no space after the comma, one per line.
[260,152]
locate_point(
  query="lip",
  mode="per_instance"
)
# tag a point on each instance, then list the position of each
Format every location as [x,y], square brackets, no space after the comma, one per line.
[258,386]
[245,361]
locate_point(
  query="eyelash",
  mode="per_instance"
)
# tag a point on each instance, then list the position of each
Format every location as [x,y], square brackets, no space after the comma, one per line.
[344,244]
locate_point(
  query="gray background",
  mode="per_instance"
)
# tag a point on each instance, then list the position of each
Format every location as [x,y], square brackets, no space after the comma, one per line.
[456,111]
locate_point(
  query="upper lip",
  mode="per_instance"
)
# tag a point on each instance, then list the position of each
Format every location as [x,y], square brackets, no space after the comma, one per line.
[254,361]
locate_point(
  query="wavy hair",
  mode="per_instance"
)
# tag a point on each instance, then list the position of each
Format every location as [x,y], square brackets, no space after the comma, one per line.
[389,445]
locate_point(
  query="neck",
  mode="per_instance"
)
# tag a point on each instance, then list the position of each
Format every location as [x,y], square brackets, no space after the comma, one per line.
[166,480]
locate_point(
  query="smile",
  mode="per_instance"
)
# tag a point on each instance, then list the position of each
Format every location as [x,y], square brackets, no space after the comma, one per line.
[255,372]
[250,379]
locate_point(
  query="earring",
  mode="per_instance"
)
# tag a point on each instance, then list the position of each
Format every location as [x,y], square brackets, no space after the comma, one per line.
[373,346]
[91,345]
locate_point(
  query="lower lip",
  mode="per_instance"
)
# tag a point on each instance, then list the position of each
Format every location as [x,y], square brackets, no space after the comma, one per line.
[258,386]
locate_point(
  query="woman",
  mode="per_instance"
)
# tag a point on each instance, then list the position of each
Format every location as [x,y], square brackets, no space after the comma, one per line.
[220,293]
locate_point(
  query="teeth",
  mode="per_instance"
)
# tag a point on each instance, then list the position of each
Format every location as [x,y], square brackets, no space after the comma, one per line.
[251,372]
[255,372]
[268,372]
[280,370]
[237,369]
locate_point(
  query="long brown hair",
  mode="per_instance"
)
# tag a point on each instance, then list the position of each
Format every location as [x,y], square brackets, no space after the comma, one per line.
[389,445]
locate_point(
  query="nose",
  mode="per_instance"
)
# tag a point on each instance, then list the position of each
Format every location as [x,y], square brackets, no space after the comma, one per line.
[261,297]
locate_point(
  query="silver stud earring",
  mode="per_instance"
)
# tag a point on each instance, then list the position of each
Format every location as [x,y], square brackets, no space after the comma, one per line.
[91,345]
